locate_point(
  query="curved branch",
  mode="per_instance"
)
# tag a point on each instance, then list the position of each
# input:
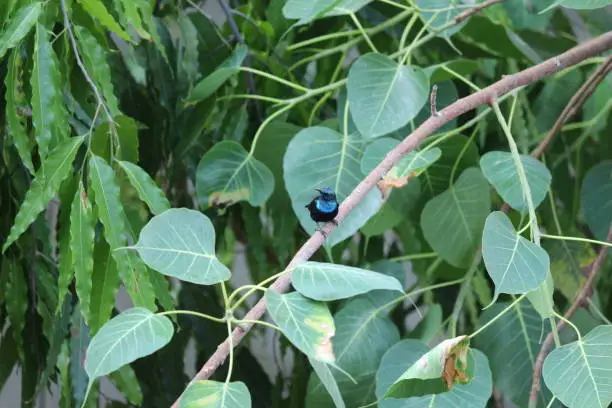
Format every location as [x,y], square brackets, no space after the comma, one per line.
[471,102]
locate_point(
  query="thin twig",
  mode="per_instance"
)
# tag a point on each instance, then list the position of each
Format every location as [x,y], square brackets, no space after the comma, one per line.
[574,104]
[470,102]
[468,13]
[234,27]
[584,294]
[79,61]
[432,101]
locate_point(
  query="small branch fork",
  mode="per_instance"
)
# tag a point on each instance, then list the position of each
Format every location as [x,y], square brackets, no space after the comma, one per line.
[584,294]
[501,87]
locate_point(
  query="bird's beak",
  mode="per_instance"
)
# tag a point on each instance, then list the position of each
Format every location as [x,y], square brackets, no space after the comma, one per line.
[316,189]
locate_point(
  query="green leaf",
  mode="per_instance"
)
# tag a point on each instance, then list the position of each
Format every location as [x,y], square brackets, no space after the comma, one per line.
[214,394]
[228,174]
[94,57]
[584,4]
[414,162]
[55,168]
[103,293]
[461,66]
[325,281]
[82,223]
[596,199]
[499,168]
[98,11]
[19,25]
[127,135]
[384,95]
[579,373]
[329,382]
[133,334]
[146,188]
[440,18]
[225,71]
[126,382]
[49,115]
[15,100]
[436,371]
[317,157]
[428,328]
[306,323]
[455,154]
[130,14]
[515,264]
[452,222]
[16,303]
[181,243]
[309,10]
[362,338]
[567,261]
[511,344]
[110,212]
[404,354]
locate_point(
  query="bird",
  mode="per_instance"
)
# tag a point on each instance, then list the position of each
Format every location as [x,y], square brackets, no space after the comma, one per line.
[324,208]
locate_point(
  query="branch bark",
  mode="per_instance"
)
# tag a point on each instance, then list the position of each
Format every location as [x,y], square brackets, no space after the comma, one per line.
[484,96]
[585,292]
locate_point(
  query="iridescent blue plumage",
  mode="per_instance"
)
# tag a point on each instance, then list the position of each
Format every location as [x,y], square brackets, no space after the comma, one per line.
[324,207]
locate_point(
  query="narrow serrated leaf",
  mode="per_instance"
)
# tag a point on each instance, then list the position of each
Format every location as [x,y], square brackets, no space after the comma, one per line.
[55,168]
[17,303]
[106,277]
[19,25]
[146,188]
[126,382]
[82,235]
[98,11]
[110,212]
[78,347]
[15,101]
[49,115]
[131,14]
[94,56]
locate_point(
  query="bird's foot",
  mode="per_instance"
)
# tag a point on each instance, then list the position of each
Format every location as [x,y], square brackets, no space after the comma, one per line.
[334,222]
[321,231]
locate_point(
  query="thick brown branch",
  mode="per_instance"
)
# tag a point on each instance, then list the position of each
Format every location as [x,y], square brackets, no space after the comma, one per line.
[484,96]
[575,104]
[584,293]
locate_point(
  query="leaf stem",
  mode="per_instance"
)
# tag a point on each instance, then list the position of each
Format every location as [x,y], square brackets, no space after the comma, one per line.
[274,78]
[253,290]
[261,322]
[460,77]
[465,286]
[412,257]
[363,32]
[579,239]
[500,314]
[229,334]
[192,313]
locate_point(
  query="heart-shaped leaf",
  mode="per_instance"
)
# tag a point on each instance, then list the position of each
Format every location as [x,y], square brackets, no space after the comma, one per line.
[512,344]
[414,162]
[515,264]
[436,371]
[317,157]
[306,323]
[499,168]
[362,337]
[449,9]
[227,174]
[452,222]
[329,382]
[404,354]
[384,95]
[181,243]
[325,281]
[213,394]
[133,334]
[309,10]
[596,197]
[579,373]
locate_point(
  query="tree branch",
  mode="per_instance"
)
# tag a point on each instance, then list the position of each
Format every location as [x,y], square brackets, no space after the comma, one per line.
[471,102]
[585,293]
[468,13]
[575,104]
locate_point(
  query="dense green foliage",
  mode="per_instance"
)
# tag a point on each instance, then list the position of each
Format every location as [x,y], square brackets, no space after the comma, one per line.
[150,152]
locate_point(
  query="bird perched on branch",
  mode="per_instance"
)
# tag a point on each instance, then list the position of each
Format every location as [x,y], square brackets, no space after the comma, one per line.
[324,208]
